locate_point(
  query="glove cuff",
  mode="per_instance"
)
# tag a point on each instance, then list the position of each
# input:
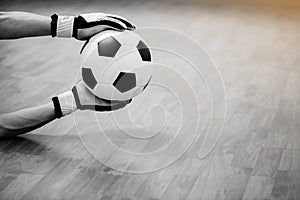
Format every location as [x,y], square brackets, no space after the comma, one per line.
[67,103]
[64,26]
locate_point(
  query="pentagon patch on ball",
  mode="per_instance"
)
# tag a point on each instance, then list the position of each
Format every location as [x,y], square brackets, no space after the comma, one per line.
[108,47]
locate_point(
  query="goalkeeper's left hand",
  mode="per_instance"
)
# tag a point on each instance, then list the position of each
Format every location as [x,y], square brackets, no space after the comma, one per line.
[84,26]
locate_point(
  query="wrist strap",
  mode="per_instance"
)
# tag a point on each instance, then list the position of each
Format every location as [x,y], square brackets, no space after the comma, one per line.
[62,26]
[54,18]
[57,108]
[67,103]
[65,26]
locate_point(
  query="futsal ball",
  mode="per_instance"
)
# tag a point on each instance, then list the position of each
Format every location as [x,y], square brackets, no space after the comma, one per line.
[116,65]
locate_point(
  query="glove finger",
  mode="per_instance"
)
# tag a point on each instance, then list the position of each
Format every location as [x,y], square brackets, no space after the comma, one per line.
[115,106]
[116,24]
[76,96]
[116,101]
[109,107]
[89,17]
[128,24]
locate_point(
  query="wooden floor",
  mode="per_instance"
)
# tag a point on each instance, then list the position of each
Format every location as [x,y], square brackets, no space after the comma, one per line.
[257,50]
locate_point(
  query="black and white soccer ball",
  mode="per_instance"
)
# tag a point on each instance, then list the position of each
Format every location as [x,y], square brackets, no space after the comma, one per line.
[116,65]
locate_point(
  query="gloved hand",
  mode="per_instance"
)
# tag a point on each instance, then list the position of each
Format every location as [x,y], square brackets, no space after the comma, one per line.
[81,98]
[84,26]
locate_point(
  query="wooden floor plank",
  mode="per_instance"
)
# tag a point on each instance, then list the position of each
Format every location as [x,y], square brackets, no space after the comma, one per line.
[258,188]
[20,186]
[232,187]
[267,162]
[256,50]
[6,179]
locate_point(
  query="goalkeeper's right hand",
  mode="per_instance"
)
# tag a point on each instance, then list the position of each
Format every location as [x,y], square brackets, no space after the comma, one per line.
[81,98]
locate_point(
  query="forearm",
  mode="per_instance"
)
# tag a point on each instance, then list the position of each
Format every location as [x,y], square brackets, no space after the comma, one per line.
[22,24]
[23,121]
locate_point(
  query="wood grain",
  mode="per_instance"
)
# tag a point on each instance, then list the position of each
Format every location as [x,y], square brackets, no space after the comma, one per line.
[256,49]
